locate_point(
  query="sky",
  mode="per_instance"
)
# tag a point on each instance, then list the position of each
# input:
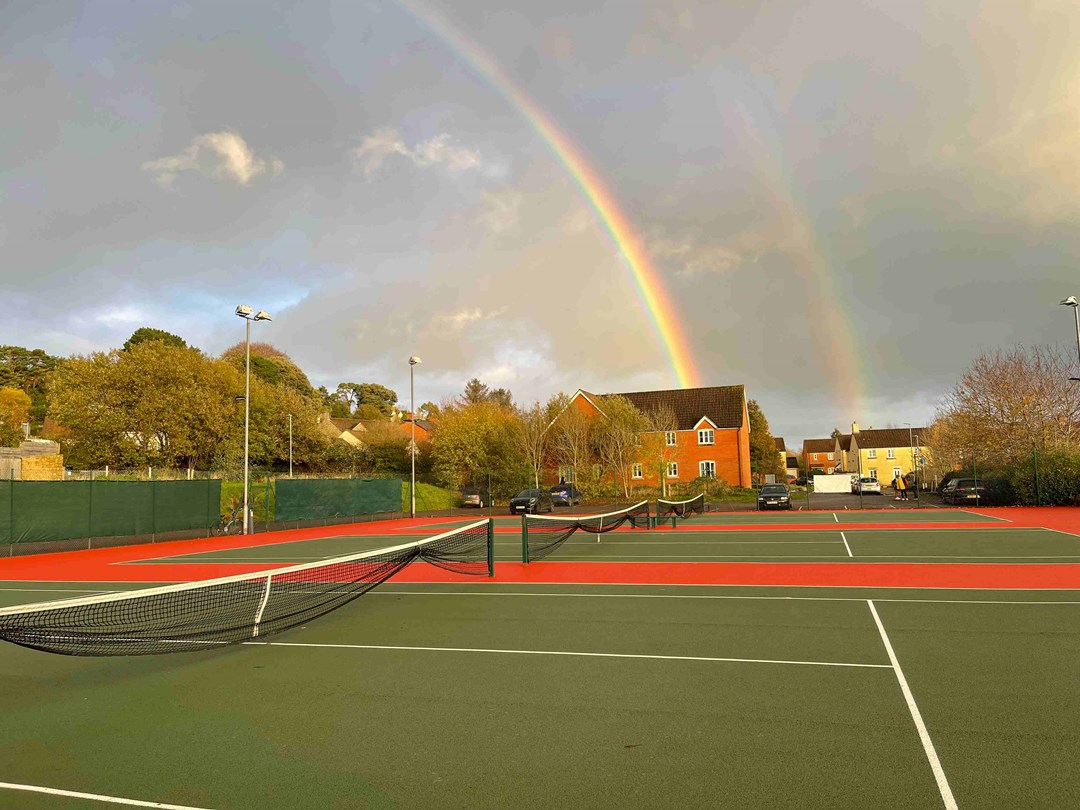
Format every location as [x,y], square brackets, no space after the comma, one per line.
[838,205]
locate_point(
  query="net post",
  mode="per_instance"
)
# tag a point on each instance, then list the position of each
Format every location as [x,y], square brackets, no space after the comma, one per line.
[491,546]
[524,541]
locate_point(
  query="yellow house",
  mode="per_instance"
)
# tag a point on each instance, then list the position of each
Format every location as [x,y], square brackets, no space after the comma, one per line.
[883,454]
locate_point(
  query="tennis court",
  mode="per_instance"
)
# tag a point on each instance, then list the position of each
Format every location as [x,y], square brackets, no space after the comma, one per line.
[549,686]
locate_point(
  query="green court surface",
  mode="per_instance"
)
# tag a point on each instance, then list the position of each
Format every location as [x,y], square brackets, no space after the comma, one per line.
[500,695]
[1013,545]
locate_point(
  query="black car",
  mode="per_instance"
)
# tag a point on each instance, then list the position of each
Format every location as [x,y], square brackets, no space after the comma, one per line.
[963,490]
[532,501]
[566,495]
[479,498]
[774,496]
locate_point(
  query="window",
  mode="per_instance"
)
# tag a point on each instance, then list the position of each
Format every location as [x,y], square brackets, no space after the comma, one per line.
[890,453]
[897,472]
[705,437]
[635,471]
[707,469]
[671,437]
[815,456]
[673,469]
[830,456]
[873,474]
[871,453]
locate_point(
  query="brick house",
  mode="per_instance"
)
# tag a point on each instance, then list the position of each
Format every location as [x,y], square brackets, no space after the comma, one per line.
[820,454]
[711,437]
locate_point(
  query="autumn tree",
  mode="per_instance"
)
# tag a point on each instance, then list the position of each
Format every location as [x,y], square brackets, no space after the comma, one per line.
[14,411]
[28,370]
[476,392]
[474,440]
[146,333]
[271,365]
[572,436]
[532,425]
[654,446]
[374,398]
[619,437]
[764,459]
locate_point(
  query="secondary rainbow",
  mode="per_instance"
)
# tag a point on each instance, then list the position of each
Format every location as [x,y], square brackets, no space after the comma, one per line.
[660,311]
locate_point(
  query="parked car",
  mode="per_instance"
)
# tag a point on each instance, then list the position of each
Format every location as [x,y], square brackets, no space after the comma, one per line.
[868,486]
[800,481]
[774,496]
[963,490]
[479,498]
[566,495]
[532,501]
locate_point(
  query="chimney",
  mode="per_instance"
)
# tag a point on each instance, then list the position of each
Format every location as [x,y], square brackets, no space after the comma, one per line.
[854,427]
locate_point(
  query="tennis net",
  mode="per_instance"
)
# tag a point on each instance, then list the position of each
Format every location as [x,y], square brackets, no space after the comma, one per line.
[231,610]
[683,509]
[541,534]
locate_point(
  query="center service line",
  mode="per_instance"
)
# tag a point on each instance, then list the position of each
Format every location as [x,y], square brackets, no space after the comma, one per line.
[924,735]
[844,538]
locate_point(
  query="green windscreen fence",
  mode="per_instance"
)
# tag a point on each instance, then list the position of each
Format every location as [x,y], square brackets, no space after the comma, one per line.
[35,511]
[311,499]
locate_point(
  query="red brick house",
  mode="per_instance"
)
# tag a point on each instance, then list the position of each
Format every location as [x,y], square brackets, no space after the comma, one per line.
[711,437]
[820,454]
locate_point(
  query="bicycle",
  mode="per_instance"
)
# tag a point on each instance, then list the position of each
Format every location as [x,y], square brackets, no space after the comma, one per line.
[232,523]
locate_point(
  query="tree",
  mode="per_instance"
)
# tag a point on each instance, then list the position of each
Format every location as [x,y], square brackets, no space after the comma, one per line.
[368,412]
[476,392]
[1007,404]
[654,446]
[145,333]
[14,411]
[573,435]
[28,370]
[532,429]
[619,437]
[429,410]
[474,440]
[764,459]
[272,366]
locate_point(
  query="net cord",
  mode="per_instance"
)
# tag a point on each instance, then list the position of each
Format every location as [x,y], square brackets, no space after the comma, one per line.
[583,518]
[37,607]
[678,503]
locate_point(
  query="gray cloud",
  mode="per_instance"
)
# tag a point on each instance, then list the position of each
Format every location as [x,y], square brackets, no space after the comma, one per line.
[223,155]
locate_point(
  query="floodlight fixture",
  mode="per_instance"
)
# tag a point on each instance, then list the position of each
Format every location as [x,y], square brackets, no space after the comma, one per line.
[262,315]
[244,311]
[414,360]
[1070,302]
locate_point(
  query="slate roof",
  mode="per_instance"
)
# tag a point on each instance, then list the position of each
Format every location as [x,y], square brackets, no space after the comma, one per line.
[819,445]
[845,442]
[887,437]
[779,442]
[721,404]
[344,423]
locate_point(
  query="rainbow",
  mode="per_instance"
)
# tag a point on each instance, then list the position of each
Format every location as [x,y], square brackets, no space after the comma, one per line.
[661,313]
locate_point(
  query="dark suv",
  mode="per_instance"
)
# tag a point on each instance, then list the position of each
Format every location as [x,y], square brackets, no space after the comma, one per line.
[532,501]
[566,495]
[774,496]
[963,490]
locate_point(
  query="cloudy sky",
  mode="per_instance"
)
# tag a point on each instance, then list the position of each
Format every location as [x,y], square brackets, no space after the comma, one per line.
[844,202]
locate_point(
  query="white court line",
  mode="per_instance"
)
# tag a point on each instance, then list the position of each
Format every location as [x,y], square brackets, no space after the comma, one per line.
[95,797]
[844,538]
[1061,531]
[53,590]
[387,592]
[988,517]
[568,653]
[924,735]
[834,517]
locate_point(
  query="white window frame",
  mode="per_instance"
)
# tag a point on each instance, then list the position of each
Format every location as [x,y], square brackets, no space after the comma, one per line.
[873,473]
[871,453]
[706,436]
[890,453]
[815,456]
[636,470]
[707,471]
[897,472]
[671,437]
[830,457]
[673,469]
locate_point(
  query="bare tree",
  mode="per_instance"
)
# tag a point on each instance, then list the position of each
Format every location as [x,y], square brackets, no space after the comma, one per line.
[572,434]
[532,430]
[619,437]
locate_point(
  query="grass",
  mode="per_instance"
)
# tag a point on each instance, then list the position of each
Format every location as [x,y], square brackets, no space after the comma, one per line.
[429,498]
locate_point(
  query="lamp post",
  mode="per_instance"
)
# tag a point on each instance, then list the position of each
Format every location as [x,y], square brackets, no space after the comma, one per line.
[248,315]
[290,445]
[1072,302]
[413,361]
[914,467]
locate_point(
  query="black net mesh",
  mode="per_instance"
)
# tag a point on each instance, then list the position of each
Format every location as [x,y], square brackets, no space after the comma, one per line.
[545,534]
[683,509]
[213,613]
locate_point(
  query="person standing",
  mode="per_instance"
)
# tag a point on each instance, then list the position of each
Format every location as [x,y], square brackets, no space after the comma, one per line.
[902,484]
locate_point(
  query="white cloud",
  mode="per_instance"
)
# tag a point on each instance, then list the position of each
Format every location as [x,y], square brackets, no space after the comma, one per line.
[223,155]
[460,321]
[501,212]
[381,144]
[693,257]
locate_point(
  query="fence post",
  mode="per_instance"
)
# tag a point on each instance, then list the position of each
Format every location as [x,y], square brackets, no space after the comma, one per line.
[491,546]
[524,541]
[267,521]
[90,511]
[11,508]
[153,512]
[1035,457]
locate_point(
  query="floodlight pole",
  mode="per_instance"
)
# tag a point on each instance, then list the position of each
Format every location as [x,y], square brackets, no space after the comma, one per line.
[247,314]
[290,445]
[911,447]
[413,360]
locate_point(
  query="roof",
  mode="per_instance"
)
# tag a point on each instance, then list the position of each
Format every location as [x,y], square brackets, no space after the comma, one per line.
[819,445]
[722,405]
[344,424]
[845,442]
[888,437]
[779,442]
